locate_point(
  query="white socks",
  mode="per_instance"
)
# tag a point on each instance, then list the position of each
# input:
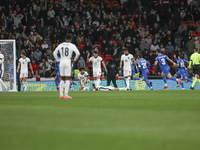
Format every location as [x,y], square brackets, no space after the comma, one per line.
[0,87]
[61,87]
[128,82]
[2,83]
[122,89]
[67,82]
[98,82]
[64,84]
[88,83]
[25,85]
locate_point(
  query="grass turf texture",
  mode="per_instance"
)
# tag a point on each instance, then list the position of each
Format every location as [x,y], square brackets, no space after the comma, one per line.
[140,120]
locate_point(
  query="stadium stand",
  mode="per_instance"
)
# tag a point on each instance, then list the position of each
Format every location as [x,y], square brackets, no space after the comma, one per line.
[39,25]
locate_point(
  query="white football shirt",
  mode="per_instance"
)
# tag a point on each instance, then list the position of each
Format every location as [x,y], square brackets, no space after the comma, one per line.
[24,64]
[96,62]
[83,76]
[66,50]
[127,59]
[1,58]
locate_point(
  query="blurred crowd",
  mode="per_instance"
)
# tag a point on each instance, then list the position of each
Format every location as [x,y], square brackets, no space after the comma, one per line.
[106,26]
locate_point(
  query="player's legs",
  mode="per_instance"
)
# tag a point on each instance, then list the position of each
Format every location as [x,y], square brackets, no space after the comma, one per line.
[25,84]
[133,75]
[165,80]
[108,81]
[114,82]
[1,81]
[98,80]
[173,78]
[127,75]
[176,75]
[145,75]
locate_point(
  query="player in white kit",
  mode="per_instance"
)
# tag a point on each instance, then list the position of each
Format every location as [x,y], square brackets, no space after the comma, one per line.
[107,88]
[84,78]
[2,72]
[96,64]
[24,62]
[66,50]
[127,58]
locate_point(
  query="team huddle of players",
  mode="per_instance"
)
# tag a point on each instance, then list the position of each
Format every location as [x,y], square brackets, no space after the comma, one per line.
[64,64]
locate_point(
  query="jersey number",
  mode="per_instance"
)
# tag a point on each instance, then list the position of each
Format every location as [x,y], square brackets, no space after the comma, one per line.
[182,65]
[144,65]
[163,61]
[65,51]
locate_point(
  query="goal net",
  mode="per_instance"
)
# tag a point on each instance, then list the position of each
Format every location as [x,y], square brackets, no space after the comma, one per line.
[8,49]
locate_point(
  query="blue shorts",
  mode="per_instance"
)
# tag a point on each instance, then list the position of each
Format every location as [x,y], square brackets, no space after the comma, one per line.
[133,71]
[57,75]
[165,70]
[145,74]
[182,73]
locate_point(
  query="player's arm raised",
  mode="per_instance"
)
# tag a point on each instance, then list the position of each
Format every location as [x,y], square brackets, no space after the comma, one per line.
[88,59]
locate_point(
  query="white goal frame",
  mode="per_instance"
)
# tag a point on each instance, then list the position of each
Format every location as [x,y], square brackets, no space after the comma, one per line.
[14,60]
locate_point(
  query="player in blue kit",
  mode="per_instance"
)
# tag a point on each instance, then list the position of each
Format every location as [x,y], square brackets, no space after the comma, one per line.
[57,77]
[182,70]
[144,66]
[162,61]
[11,74]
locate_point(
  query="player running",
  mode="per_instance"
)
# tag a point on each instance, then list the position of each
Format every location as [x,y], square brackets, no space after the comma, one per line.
[182,70]
[144,66]
[162,61]
[24,62]
[126,59]
[83,79]
[66,50]
[107,88]
[96,64]
[2,72]
[57,77]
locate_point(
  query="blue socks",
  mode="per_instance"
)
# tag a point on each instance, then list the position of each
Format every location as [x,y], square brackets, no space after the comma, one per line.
[148,84]
[57,84]
[190,80]
[165,79]
[11,85]
[173,78]
[136,78]
[182,85]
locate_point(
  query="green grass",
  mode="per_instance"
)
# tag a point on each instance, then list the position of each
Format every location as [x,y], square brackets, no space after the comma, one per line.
[118,120]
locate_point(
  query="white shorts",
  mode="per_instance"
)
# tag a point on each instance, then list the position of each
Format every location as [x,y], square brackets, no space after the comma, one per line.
[96,73]
[24,74]
[127,73]
[65,68]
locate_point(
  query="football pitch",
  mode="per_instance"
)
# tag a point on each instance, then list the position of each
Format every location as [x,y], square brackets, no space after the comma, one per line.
[116,120]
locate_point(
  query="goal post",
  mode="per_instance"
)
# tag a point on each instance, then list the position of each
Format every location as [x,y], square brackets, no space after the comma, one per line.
[8,49]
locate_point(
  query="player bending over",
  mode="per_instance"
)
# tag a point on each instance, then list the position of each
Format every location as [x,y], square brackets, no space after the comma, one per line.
[181,70]
[96,64]
[162,61]
[2,72]
[126,59]
[144,67]
[107,88]
[83,78]
[23,66]
[66,50]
